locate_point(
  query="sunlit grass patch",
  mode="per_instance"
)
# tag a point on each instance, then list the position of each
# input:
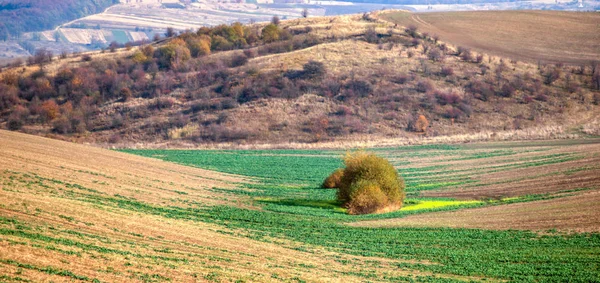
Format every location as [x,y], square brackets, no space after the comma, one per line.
[428,204]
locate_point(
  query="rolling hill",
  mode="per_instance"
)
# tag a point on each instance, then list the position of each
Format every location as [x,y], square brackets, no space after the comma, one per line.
[323,79]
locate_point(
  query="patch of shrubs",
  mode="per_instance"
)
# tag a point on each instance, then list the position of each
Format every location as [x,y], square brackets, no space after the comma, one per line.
[333,181]
[311,70]
[369,184]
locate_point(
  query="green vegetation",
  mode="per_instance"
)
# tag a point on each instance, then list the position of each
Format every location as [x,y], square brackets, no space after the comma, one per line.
[48,270]
[296,208]
[369,183]
[295,212]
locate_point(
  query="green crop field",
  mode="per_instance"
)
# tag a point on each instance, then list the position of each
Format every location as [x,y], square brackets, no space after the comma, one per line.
[293,207]
[494,212]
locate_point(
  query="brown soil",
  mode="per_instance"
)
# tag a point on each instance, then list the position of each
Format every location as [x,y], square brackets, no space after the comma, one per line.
[550,36]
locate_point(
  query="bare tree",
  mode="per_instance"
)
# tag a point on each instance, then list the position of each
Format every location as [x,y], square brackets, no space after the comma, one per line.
[304,13]
[170,32]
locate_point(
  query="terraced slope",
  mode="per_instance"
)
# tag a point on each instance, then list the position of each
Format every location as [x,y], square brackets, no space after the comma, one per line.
[71,212]
[77,213]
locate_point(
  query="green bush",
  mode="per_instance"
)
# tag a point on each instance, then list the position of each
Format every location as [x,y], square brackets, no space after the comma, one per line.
[369,184]
[333,180]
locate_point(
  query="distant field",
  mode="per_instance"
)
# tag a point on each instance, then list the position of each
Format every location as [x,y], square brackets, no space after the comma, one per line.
[74,212]
[549,36]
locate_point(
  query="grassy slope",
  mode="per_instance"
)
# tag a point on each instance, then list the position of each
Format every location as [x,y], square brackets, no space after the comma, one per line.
[549,36]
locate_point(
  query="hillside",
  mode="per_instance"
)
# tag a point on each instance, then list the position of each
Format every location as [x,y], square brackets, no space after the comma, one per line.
[71,212]
[322,79]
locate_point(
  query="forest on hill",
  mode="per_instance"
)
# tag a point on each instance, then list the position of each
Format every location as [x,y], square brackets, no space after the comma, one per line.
[19,16]
[319,79]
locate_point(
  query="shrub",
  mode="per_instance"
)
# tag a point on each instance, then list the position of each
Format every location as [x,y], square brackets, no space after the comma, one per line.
[314,70]
[371,35]
[369,184]
[452,113]
[360,87]
[424,86]
[479,58]
[61,125]
[367,197]
[125,94]
[183,132]
[333,180]
[447,71]
[551,75]
[596,98]
[199,46]
[9,96]
[238,60]
[436,55]
[444,98]
[507,90]
[465,54]
[412,30]
[270,33]
[17,118]
[541,97]
[421,124]
[596,79]
[50,110]
[250,53]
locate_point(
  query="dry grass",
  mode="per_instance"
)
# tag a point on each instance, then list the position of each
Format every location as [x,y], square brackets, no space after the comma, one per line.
[550,36]
[372,140]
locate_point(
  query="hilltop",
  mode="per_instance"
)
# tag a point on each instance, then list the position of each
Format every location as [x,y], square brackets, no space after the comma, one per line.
[322,79]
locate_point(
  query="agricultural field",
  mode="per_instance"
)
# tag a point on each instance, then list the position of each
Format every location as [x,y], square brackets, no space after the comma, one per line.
[547,36]
[79,213]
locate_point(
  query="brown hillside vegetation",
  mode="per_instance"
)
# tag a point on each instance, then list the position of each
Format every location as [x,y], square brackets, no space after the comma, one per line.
[322,79]
[71,211]
[549,36]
